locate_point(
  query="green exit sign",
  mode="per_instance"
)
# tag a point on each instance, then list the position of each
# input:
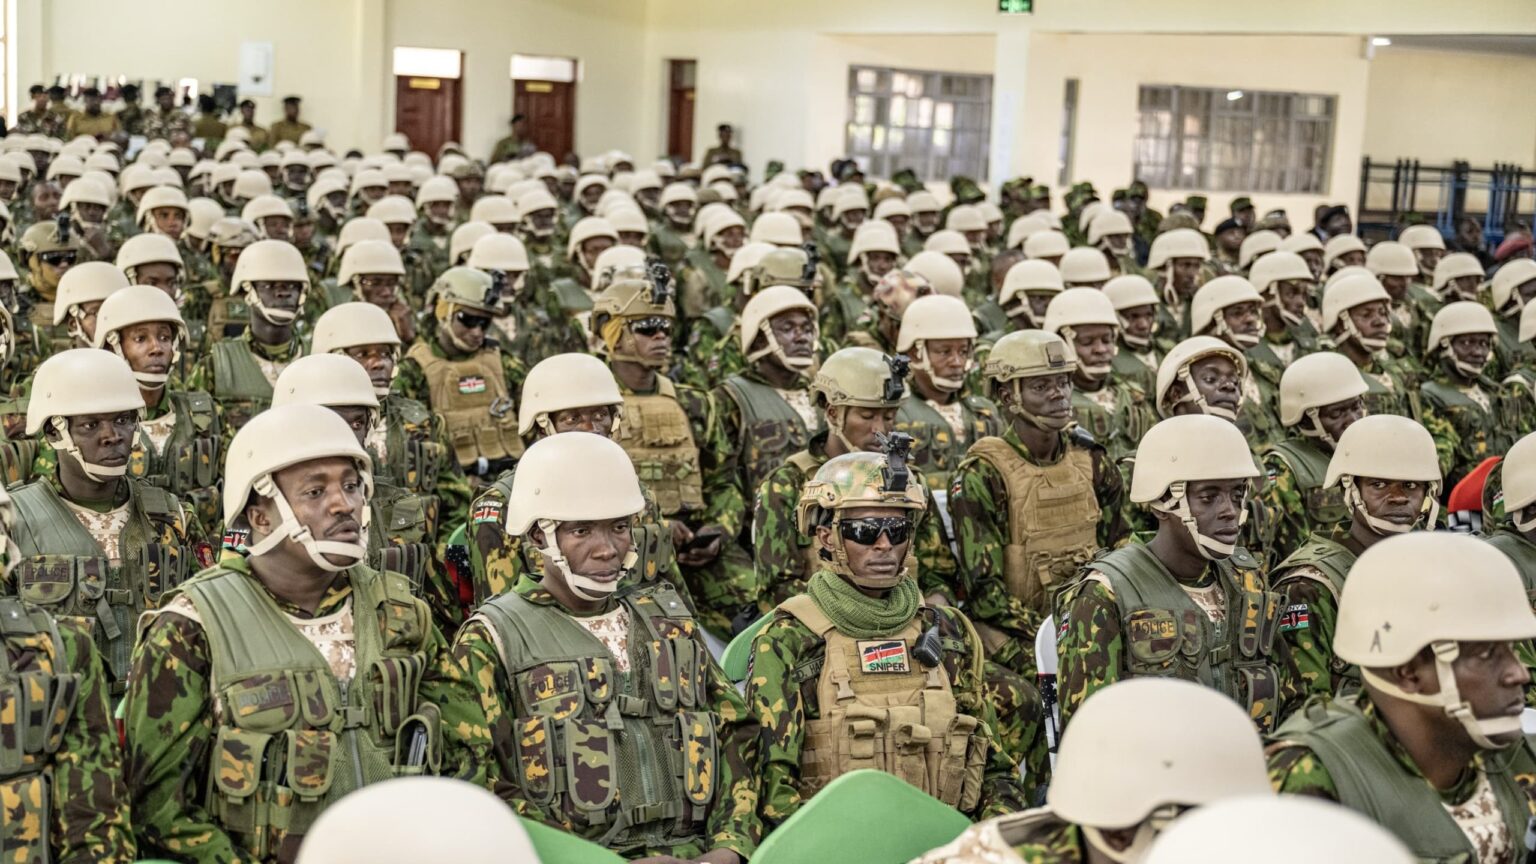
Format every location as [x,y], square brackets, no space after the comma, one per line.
[1016,7]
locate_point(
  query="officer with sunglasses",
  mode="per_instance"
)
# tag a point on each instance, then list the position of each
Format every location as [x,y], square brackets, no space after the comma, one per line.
[49,249]
[884,667]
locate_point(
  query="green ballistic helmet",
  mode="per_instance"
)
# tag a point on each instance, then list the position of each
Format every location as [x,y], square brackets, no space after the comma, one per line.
[464,288]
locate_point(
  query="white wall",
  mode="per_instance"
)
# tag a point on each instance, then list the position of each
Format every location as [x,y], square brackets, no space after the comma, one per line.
[1439,106]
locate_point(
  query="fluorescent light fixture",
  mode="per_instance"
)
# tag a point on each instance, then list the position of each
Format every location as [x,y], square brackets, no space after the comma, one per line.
[1234,95]
[1380,41]
[428,62]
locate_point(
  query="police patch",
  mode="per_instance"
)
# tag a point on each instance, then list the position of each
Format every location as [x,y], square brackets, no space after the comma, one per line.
[471,384]
[1295,617]
[486,513]
[884,657]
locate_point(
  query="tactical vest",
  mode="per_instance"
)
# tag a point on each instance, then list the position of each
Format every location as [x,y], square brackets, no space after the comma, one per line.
[228,317]
[1118,427]
[1494,428]
[412,457]
[1325,508]
[810,553]
[770,429]
[720,318]
[1384,398]
[63,570]
[657,436]
[1053,517]
[852,306]
[472,397]
[630,759]
[880,709]
[239,384]
[1320,555]
[290,738]
[1370,780]
[1168,635]
[1522,553]
[400,533]
[934,446]
[990,317]
[190,463]
[37,706]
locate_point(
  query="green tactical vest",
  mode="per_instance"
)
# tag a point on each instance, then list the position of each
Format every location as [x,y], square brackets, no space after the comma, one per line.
[720,318]
[1520,551]
[1325,508]
[990,317]
[228,317]
[400,533]
[770,429]
[1472,423]
[668,244]
[1380,398]
[852,307]
[934,447]
[190,465]
[1370,780]
[63,570]
[1128,366]
[412,459]
[701,260]
[1167,635]
[1333,560]
[291,739]
[238,383]
[629,759]
[37,704]
[1118,429]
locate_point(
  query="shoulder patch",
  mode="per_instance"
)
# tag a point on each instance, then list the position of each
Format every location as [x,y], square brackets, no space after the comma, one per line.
[486,512]
[1295,617]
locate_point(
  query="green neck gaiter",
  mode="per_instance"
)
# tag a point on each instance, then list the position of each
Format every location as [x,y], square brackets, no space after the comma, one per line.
[859,616]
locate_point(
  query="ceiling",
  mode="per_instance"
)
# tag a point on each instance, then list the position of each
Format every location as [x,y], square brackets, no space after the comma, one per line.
[1485,44]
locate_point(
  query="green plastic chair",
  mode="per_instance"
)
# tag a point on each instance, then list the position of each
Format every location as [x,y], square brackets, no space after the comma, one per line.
[866,816]
[557,847]
[738,654]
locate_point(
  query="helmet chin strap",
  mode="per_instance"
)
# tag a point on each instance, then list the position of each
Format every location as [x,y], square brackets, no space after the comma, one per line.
[1369,344]
[925,364]
[1292,318]
[836,427]
[1386,527]
[1241,340]
[66,444]
[1193,394]
[1146,832]
[77,325]
[1468,369]
[1091,371]
[1525,525]
[1131,339]
[1016,407]
[1480,730]
[280,317]
[584,587]
[1176,504]
[1316,430]
[291,527]
[447,334]
[805,367]
[147,380]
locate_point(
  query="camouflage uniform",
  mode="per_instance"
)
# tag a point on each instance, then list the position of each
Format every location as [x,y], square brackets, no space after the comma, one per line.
[1392,386]
[701,283]
[1128,616]
[533,330]
[761,432]
[1311,579]
[239,373]
[1469,420]
[1294,502]
[782,686]
[179,450]
[941,434]
[44,122]
[411,381]
[62,791]
[161,124]
[668,244]
[131,118]
[978,504]
[194,776]
[1259,416]
[848,310]
[1116,414]
[502,722]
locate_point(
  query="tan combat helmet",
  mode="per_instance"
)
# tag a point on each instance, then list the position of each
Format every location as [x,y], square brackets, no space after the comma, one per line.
[1461,318]
[1314,382]
[1131,292]
[1190,746]
[271,261]
[1527,321]
[858,377]
[1084,267]
[368,258]
[81,381]
[1386,447]
[1025,278]
[139,304]
[576,477]
[279,438]
[462,288]
[873,236]
[777,229]
[1518,472]
[1028,354]
[1346,294]
[1389,258]
[932,318]
[147,248]
[1046,245]
[586,229]
[353,325]
[947,242]
[1111,223]
[40,240]
[1176,366]
[565,382]
[501,253]
[636,296]
[1255,246]
[1213,299]
[745,259]
[1457,265]
[1507,300]
[380,824]
[1188,449]
[160,197]
[855,480]
[329,380]
[1280,266]
[757,320]
[1337,247]
[1078,307]
[1339,835]
[778,267]
[940,270]
[82,284]
[263,207]
[1433,589]
[463,239]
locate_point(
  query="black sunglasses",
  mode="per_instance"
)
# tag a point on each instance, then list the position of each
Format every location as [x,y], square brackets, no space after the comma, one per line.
[471,322]
[54,259]
[867,531]
[651,327]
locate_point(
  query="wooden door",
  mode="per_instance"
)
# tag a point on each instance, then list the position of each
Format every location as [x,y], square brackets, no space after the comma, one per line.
[550,110]
[428,110]
[680,109]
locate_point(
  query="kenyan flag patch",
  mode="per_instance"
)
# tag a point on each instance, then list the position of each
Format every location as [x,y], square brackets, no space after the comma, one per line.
[471,384]
[884,657]
[1296,617]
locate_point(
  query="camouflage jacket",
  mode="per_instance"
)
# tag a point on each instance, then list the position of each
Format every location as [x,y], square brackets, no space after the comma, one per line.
[1312,610]
[202,376]
[411,381]
[1293,497]
[1470,421]
[169,723]
[1117,414]
[782,697]
[482,717]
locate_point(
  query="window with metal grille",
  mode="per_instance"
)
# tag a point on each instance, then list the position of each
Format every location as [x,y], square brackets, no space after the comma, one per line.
[1234,140]
[936,123]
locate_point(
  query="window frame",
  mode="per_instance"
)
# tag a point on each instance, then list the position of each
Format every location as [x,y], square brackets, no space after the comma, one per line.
[935,151]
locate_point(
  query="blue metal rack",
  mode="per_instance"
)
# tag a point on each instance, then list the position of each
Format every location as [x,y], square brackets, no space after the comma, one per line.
[1440,195]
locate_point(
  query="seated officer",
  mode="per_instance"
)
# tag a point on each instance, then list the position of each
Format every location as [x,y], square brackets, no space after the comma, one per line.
[1340,836]
[93,542]
[1122,780]
[64,796]
[892,670]
[1189,603]
[270,686]
[592,706]
[1389,480]
[1515,535]
[1431,619]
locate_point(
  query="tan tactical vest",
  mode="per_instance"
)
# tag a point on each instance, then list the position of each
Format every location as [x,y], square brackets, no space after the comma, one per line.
[1053,514]
[881,709]
[656,434]
[471,394]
